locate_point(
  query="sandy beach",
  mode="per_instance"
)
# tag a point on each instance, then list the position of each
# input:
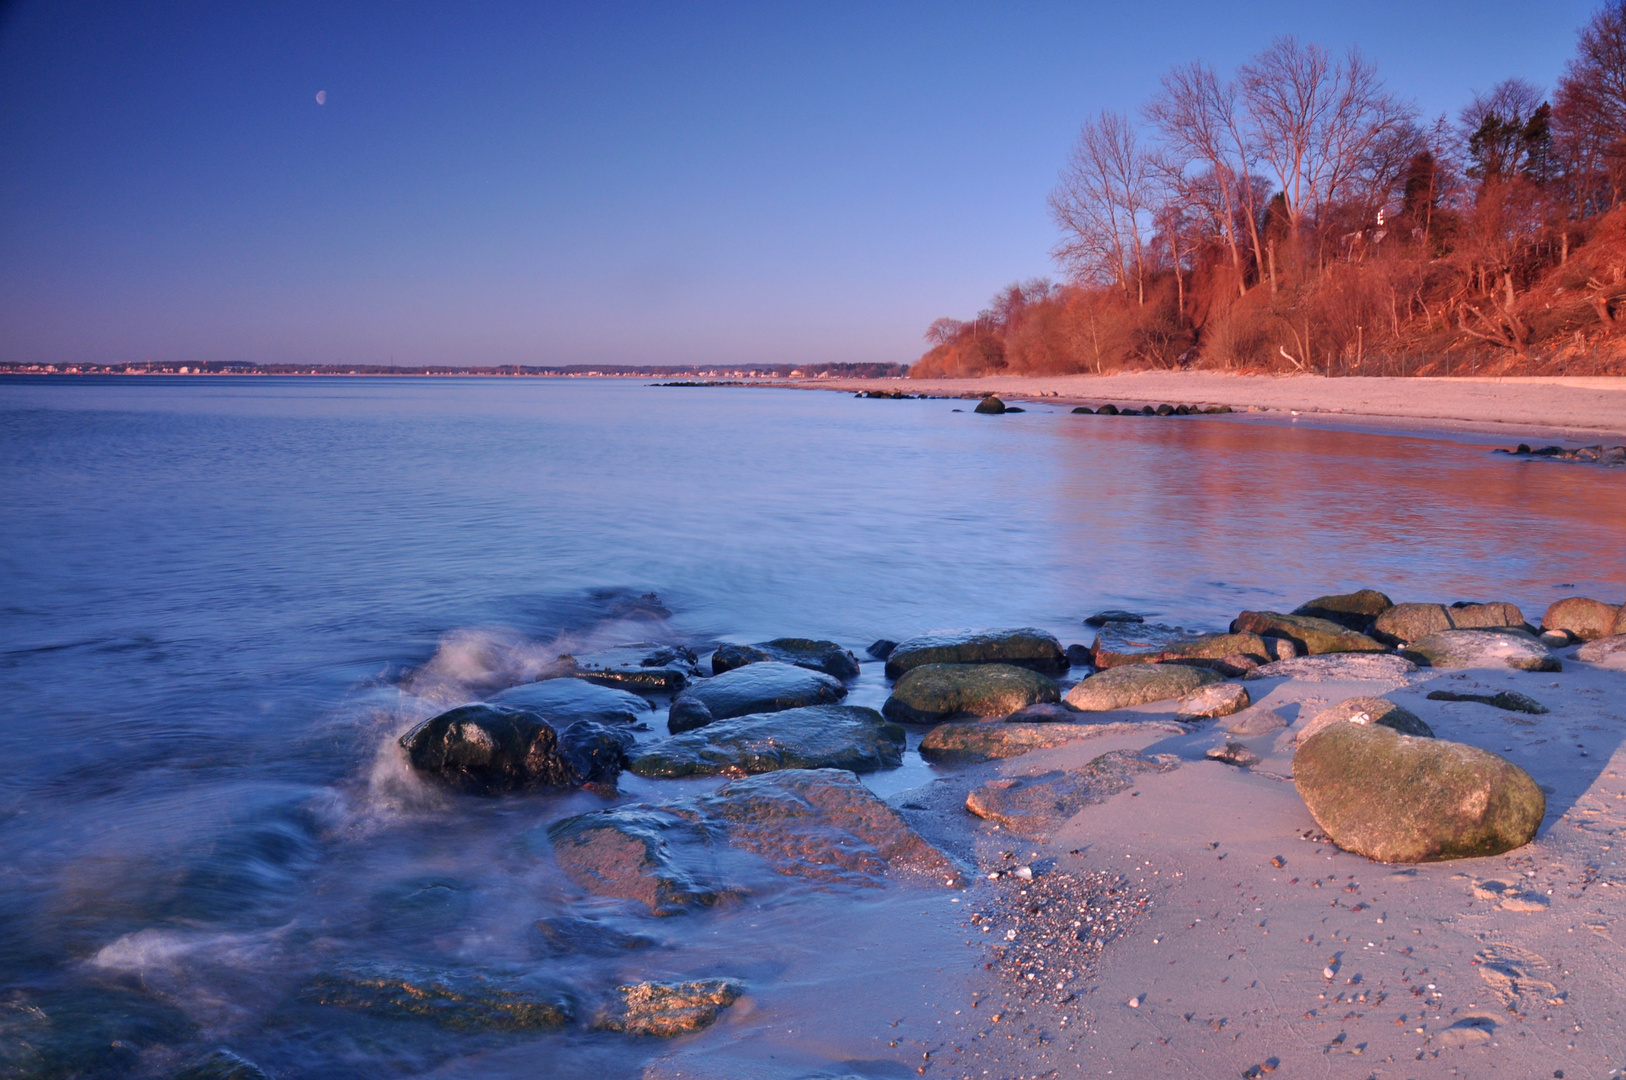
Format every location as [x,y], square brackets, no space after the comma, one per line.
[1575,408]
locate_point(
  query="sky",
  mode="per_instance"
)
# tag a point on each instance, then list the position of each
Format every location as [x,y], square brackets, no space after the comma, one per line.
[531,183]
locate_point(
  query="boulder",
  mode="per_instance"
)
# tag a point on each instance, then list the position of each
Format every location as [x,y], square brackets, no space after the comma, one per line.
[456,1001]
[1609,652]
[1220,699]
[815,737]
[1208,647]
[487,749]
[1511,700]
[1080,656]
[968,741]
[1137,684]
[1366,710]
[1396,798]
[1313,636]
[1025,647]
[664,1010]
[1620,623]
[564,701]
[657,669]
[1034,806]
[1582,618]
[1482,648]
[934,692]
[1113,615]
[820,825]
[991,405]
[825,656]
[1337,667]
[768,686]
[1405,623]
[882,648]
[1354,611]
[1082,410]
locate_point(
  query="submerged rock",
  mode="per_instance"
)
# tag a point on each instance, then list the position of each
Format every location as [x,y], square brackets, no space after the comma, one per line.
[459,1002]
[1313,636]
[966,741]
[1405,623]
[658,669]
[1483,648]
[1582,618]
[991,404]
[1137,684]
[1113,615]
[1353,611]
[933,692]
[825,656]
[768,686]
[1609,652]
[1396,798]
[815,737]
[487,749]
[1337,667]
[664,1010]
[564,701]
[1366,710]
[1037,805]
[1511,700]
[1026,647]
[1221,699]
[821,825]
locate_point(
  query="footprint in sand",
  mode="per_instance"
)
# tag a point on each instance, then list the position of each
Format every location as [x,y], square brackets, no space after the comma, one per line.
[1509,970]
[1510,897]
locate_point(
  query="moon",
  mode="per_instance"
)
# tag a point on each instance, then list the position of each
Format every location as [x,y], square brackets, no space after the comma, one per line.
[321,97]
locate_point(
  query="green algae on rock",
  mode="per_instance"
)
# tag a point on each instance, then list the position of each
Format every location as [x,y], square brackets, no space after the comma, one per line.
[933,692]
[1396,798]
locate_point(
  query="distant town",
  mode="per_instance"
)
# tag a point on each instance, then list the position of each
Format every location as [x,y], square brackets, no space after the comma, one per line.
[643,371]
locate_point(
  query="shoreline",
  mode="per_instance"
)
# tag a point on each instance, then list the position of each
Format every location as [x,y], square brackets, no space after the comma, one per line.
[1585,408]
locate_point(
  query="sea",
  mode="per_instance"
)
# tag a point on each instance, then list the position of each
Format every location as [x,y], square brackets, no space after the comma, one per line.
[223,599]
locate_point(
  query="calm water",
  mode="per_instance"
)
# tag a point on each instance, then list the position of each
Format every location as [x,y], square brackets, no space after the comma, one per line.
[214,594]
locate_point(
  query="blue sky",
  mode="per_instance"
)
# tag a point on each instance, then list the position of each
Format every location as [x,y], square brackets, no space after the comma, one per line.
[593,183]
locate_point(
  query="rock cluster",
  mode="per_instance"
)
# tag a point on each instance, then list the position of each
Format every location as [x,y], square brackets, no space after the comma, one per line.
[820,825]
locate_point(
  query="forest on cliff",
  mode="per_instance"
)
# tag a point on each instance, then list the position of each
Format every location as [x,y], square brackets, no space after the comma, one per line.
[1298,216]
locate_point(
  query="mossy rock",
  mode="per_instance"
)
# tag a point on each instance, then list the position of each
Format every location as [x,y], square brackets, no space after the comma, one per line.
[1137,684]
[934,692]
[1396,798]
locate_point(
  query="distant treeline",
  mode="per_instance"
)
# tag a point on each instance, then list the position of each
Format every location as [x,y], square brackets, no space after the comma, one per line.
[1296,216]
[759,371]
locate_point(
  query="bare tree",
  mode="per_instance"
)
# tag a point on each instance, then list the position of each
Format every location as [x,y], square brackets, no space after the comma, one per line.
[1590,117]
[1315,121]
[1101,204]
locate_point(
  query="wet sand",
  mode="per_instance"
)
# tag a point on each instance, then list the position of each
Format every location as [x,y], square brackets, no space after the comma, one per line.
[1575,407]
